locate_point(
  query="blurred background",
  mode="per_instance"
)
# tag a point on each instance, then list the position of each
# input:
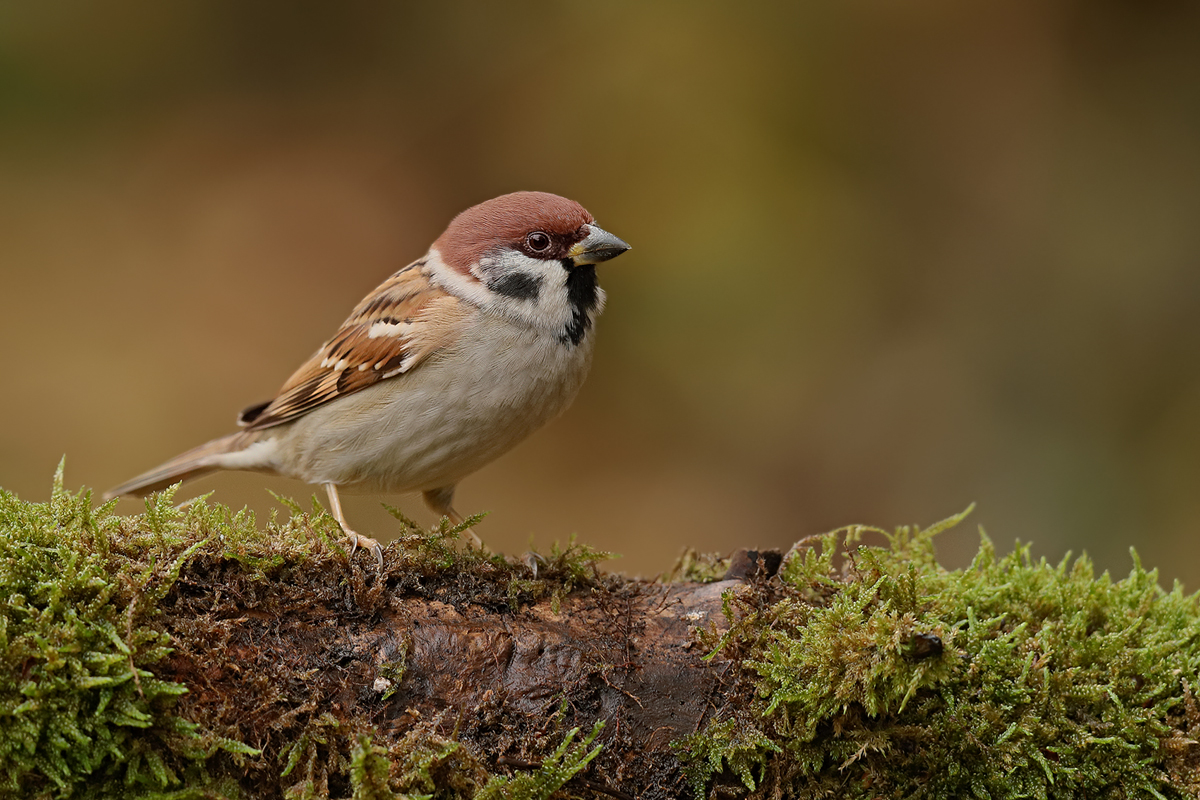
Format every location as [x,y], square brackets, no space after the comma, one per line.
[889,257]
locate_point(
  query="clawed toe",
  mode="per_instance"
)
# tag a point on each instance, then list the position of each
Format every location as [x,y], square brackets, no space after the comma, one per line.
[532,560]
[357,538]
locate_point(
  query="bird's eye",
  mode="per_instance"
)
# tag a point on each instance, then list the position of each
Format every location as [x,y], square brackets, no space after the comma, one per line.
[537,241]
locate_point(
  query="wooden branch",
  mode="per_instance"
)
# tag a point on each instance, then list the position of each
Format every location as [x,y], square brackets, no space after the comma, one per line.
[398,653]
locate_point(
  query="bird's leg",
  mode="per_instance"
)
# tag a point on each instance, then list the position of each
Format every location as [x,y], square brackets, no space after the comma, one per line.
[439,500]
[355,538]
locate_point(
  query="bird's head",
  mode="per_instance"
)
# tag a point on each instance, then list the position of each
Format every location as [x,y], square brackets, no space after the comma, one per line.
[529,256]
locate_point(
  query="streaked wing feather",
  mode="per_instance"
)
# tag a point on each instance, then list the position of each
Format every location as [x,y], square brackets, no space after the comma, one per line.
[392,331]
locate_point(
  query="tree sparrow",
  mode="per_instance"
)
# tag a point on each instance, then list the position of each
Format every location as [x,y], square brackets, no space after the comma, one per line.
[447,365]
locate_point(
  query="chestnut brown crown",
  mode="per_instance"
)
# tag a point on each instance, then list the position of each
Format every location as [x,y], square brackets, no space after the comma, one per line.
[508,221]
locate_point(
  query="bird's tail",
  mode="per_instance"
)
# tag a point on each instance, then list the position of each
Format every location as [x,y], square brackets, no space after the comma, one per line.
[192,464]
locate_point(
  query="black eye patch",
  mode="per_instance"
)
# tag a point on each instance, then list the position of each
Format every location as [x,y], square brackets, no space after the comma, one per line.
[520,285]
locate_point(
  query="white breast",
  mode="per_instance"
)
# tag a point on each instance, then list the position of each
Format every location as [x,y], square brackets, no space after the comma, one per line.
[453,414]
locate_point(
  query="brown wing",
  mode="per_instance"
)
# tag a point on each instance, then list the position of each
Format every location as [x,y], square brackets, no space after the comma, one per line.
[393,330]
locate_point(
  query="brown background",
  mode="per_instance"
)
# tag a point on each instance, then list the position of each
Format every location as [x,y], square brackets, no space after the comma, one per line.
[889,257]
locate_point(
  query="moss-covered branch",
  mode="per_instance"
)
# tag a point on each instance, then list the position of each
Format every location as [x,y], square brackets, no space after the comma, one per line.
[192,652]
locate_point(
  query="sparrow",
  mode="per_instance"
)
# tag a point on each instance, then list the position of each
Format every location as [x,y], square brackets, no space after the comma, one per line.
[448,364]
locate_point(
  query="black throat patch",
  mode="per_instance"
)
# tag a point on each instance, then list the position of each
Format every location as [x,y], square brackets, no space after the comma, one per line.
[581,294]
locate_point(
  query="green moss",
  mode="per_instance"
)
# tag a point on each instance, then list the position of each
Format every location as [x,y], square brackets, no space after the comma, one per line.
[859,671]
[735,744]
[82,713]
[369,768]
[1052,682]
[427,764]
[481,577]
[91,601]
[696,567]
[562,765]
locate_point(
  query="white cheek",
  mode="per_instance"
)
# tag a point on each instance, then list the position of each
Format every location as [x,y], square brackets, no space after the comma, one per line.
[549,309]
[509,262]
[552,307]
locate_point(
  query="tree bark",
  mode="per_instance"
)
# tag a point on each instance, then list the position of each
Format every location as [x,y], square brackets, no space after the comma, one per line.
[264,659]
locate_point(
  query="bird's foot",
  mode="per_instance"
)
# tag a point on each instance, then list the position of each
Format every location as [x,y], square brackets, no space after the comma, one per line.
[357,539]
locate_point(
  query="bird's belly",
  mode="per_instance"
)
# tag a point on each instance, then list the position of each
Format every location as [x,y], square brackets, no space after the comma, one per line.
[447,418]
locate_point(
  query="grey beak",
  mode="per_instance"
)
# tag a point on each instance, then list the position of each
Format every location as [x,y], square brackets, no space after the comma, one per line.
[600,245]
